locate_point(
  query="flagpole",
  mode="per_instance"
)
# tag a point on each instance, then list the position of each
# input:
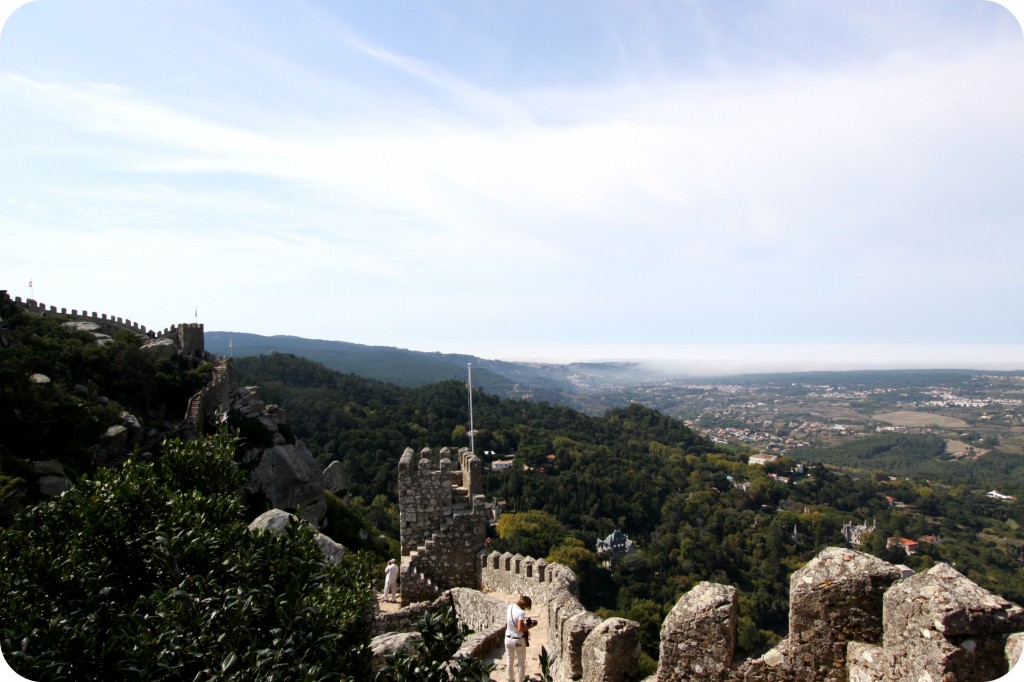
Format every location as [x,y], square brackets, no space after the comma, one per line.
[469,369]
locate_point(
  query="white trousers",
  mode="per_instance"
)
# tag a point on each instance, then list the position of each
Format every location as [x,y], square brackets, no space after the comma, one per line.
[515,651]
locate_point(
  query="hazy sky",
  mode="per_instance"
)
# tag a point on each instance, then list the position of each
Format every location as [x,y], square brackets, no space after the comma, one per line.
[529,179]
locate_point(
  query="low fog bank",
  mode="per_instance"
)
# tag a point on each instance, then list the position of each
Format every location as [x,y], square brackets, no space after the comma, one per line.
[710,360]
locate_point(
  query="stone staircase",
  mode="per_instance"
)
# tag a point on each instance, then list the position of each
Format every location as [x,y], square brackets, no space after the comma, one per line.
[192,424]
[420,578]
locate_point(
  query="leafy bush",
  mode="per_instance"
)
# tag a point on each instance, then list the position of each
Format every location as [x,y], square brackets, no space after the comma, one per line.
[435,660]
[150,573]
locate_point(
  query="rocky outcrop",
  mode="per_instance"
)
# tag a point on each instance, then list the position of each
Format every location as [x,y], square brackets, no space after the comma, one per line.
[284,475]
[163,348]
[288,477]
[392,643]
[335,478]
[119,440]
[52,480]
[277,520]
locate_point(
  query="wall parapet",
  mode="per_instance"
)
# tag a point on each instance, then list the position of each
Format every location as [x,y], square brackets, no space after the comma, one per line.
[518,574]
[188,335]
[852,617]
[100,318]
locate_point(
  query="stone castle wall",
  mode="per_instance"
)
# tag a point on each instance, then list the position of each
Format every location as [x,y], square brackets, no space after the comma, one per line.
[189,335]
[852,617]
[581,644]
[424,496]
[516,574]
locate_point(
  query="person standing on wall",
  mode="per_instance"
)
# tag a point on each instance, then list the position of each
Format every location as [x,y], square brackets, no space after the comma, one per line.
[390,581]
[517,632]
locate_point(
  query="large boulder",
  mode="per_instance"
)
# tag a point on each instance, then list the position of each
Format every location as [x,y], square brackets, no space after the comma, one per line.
[113,443]
[52,480]
[162,348]
[288,478]
[277,520]
[387,645]
[335,479]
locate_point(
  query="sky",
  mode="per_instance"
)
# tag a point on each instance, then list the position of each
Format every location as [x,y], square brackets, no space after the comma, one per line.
[785,183]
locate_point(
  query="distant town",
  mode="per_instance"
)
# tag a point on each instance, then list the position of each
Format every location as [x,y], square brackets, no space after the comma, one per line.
[781,414]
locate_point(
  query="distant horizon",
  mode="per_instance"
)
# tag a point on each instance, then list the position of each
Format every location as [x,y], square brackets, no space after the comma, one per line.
[691,359]
[723,359]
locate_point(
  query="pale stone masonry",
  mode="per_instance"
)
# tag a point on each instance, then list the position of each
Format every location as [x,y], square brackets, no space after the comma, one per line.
[443,522]
[939,626]
[835,599]
[699,634]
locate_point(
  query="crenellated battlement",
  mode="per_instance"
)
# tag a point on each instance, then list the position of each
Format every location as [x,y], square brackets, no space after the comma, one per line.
[188,336]
[100,318]
[443,524]
[518,574]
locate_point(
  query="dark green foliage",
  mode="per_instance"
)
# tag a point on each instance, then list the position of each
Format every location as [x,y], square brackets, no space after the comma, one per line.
[348,527]
[150,573]
[90,385]
[923,456]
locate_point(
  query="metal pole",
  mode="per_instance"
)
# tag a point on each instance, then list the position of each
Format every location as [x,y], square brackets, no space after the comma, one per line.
[469,369]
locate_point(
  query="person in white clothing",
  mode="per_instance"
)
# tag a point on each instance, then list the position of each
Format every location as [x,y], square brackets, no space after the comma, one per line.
[517,631]
[390,581]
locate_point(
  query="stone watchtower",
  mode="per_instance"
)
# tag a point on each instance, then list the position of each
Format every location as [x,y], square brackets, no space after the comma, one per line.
[443,519]
[190,339]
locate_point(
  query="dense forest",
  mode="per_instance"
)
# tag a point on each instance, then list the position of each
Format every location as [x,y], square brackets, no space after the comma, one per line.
[695,510]
[922,456]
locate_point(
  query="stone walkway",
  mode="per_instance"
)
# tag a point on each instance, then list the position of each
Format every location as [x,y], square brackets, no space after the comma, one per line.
[538,636]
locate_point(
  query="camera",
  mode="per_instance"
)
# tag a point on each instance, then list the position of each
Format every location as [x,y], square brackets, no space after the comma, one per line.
[529,622]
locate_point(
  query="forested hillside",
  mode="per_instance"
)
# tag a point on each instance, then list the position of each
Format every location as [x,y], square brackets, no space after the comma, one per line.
[922,456]
[145,568]
[695,511]
[60,390]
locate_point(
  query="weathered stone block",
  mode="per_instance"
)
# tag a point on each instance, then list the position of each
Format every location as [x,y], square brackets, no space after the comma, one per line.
[698,637]
[573,636]
[611,652]
[939,625]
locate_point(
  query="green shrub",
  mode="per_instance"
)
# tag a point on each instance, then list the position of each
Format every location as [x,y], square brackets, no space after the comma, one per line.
[150,573]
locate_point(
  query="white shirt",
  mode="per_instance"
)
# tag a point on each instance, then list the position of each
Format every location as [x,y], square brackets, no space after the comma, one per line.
[513,616]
